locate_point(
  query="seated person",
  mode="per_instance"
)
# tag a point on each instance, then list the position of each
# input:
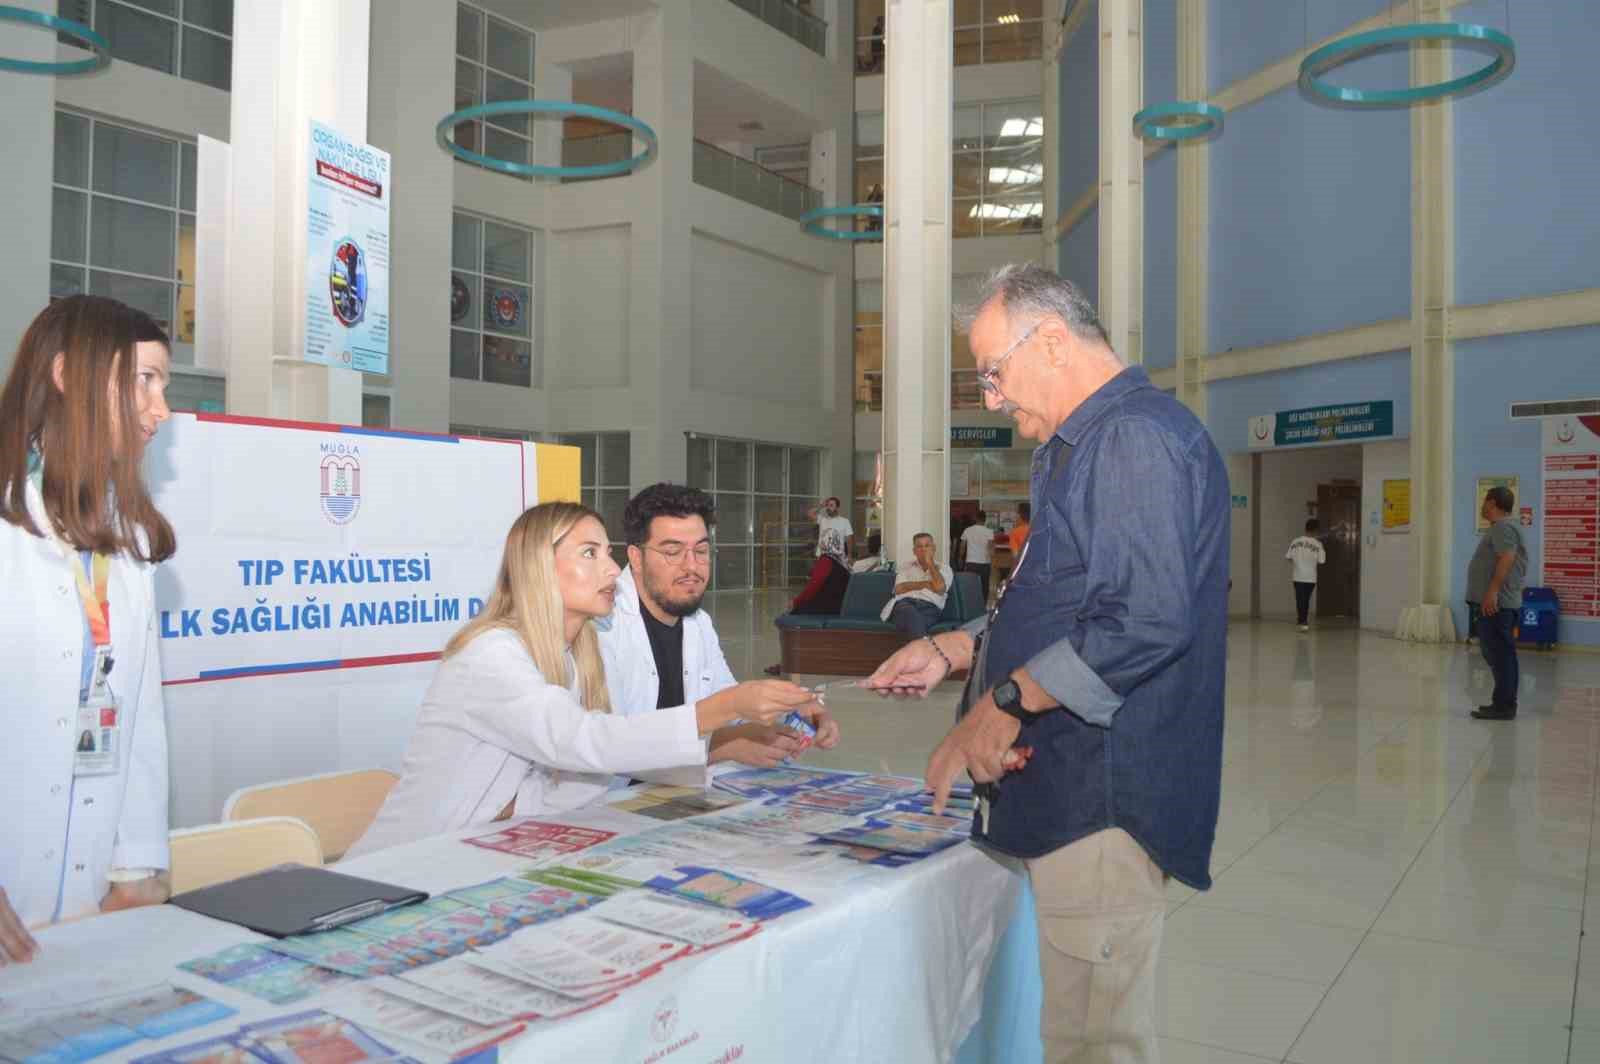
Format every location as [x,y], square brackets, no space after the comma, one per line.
[661,649]
[920,592]
[517,720]
[874,559]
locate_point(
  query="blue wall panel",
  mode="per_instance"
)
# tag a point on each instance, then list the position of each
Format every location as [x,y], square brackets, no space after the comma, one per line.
[1161,261]
[1160,51]
[1310,220]
[1080,257]
[1527,218]
[1247,35]
[1231,403]
[1079,164]
[1490,373]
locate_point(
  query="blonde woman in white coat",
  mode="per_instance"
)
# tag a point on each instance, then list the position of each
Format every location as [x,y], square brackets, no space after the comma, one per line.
[83,770]
[517,720]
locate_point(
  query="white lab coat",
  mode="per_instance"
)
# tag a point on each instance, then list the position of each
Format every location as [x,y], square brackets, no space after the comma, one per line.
[59,836]
[492,729]
[631,676]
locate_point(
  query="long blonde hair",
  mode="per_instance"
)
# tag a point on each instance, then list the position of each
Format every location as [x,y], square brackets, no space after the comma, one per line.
[527,600]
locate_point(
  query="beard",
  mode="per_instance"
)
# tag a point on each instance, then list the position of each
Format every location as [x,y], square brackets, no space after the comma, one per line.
[673,600]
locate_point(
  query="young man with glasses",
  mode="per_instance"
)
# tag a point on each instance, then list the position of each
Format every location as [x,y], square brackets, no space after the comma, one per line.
[661,649]
[1102,659]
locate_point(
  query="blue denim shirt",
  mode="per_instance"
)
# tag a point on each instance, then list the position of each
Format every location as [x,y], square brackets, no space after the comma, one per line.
[1118,608]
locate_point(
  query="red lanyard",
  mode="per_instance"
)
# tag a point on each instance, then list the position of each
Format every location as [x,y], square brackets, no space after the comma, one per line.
[96,604]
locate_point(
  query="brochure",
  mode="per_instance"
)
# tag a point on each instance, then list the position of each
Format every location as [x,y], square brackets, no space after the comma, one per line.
[955,825]
[765,782]
[373,1007]
[675,803]
[755,900]
[260,972]
[314,1037]
[463,979]
[541,839]
[700,926]
[224,1050]
[442,927]
[351,953]
[522,902]
[896,838]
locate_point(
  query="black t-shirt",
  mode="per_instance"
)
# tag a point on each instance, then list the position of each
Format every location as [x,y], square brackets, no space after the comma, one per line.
[666,645]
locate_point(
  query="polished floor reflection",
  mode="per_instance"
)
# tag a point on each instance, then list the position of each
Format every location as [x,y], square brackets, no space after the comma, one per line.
[1394,880]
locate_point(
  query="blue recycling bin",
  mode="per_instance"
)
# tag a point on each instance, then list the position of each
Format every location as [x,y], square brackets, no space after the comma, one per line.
[1540,617]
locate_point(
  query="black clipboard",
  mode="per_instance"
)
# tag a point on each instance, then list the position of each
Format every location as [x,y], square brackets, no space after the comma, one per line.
[294,899]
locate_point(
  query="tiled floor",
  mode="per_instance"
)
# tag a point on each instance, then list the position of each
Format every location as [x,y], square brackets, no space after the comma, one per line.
[1394,880]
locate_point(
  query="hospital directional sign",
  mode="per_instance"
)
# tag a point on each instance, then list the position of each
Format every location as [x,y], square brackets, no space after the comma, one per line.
[979,436]
[1322,425]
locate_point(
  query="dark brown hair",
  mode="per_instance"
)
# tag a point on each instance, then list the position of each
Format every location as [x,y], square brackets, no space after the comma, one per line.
[93,491]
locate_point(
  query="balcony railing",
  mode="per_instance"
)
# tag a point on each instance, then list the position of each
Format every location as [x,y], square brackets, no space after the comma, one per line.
[756,185]
[964,391]
[595,151]
[792,20]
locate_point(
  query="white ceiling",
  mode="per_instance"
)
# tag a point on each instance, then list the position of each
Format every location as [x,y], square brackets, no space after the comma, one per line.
[722,104]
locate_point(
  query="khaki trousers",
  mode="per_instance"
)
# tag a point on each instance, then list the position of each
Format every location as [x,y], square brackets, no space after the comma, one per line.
[1101,903]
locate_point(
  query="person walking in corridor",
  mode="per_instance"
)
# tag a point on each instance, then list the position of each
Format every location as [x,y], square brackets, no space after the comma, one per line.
[1494,580]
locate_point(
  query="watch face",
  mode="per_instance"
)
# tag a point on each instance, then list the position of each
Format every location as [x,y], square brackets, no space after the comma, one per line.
[1008,695]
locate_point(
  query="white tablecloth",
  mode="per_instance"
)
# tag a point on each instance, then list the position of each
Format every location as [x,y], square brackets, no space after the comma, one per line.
[886,967]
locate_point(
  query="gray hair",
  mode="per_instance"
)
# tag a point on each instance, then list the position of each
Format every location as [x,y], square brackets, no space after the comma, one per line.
[1040,293]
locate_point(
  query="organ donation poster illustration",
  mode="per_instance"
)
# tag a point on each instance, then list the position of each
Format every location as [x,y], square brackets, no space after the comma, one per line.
[347,250]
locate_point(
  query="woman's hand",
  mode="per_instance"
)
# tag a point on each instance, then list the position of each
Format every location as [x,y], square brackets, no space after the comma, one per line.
[757,701]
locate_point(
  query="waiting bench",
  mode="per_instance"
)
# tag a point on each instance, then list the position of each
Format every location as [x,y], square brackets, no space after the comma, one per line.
[856,642]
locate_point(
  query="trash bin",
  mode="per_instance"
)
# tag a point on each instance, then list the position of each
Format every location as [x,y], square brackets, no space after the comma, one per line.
[1538,621]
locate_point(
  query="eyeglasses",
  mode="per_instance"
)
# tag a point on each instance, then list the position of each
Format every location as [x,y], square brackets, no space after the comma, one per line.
[988,380]
[677,553]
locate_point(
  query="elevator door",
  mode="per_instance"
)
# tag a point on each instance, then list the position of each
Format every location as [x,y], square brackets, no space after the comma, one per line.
[1339,581]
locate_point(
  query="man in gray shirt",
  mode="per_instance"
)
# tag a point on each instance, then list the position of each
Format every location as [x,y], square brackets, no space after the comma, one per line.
[1494,580]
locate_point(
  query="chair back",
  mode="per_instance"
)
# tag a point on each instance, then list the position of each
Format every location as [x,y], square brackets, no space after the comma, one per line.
[866,594]
[339,806]
[217,853]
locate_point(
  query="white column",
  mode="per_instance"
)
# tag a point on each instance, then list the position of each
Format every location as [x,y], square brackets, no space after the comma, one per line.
[661,326]
[916,275]
[293,61]
[27,129]
[1429,619]
[410,64]
[1194,218]
[1122,177]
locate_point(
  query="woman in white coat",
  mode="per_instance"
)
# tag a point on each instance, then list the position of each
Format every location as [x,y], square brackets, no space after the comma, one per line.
[517,720]
[83,770]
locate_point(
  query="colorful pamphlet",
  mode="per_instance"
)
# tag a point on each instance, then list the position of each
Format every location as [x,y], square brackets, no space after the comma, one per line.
[675,803]
[351,953]
[956,825]
[104,1025]
[896,838]
[838,800]
[766,782]
[521,901]
[313,1037]
[541,839]
[260,972]
[442,927]
[581,883]
[224,1050]
[755,900]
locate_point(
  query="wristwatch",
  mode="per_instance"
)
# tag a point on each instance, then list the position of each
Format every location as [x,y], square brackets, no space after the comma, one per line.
[1008,698]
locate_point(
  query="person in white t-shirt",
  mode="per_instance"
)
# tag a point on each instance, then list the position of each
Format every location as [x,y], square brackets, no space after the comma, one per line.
[1306,553]
[836,538]
[920,591]
[978,540]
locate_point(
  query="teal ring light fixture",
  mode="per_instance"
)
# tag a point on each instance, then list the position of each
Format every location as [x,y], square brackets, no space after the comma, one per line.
[809,220]
[1154,123]
[96,43]
[1360,45]
[547,108]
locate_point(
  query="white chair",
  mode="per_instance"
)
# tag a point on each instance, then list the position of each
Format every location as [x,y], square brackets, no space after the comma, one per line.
[339,806]
[216,853]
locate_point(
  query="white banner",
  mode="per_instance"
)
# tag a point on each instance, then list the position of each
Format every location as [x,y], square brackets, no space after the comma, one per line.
[320,570]
[1570,543]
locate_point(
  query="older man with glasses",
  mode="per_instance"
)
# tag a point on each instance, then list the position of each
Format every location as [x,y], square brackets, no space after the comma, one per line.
[660,647]
[1092,717]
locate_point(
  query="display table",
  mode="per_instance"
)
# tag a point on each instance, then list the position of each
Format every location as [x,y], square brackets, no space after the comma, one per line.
[888,966]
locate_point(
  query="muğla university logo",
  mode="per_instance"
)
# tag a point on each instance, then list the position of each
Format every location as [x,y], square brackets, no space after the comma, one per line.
[341,482]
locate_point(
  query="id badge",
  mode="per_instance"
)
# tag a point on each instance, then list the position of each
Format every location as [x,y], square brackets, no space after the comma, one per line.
[97,743]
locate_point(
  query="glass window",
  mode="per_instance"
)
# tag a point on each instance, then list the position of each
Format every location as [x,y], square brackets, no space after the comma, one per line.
[495,62]
[115,209]
[187,153]
[603,459]
[761,527]
[491,315]
[195,43]
[375,411]
[200,393]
